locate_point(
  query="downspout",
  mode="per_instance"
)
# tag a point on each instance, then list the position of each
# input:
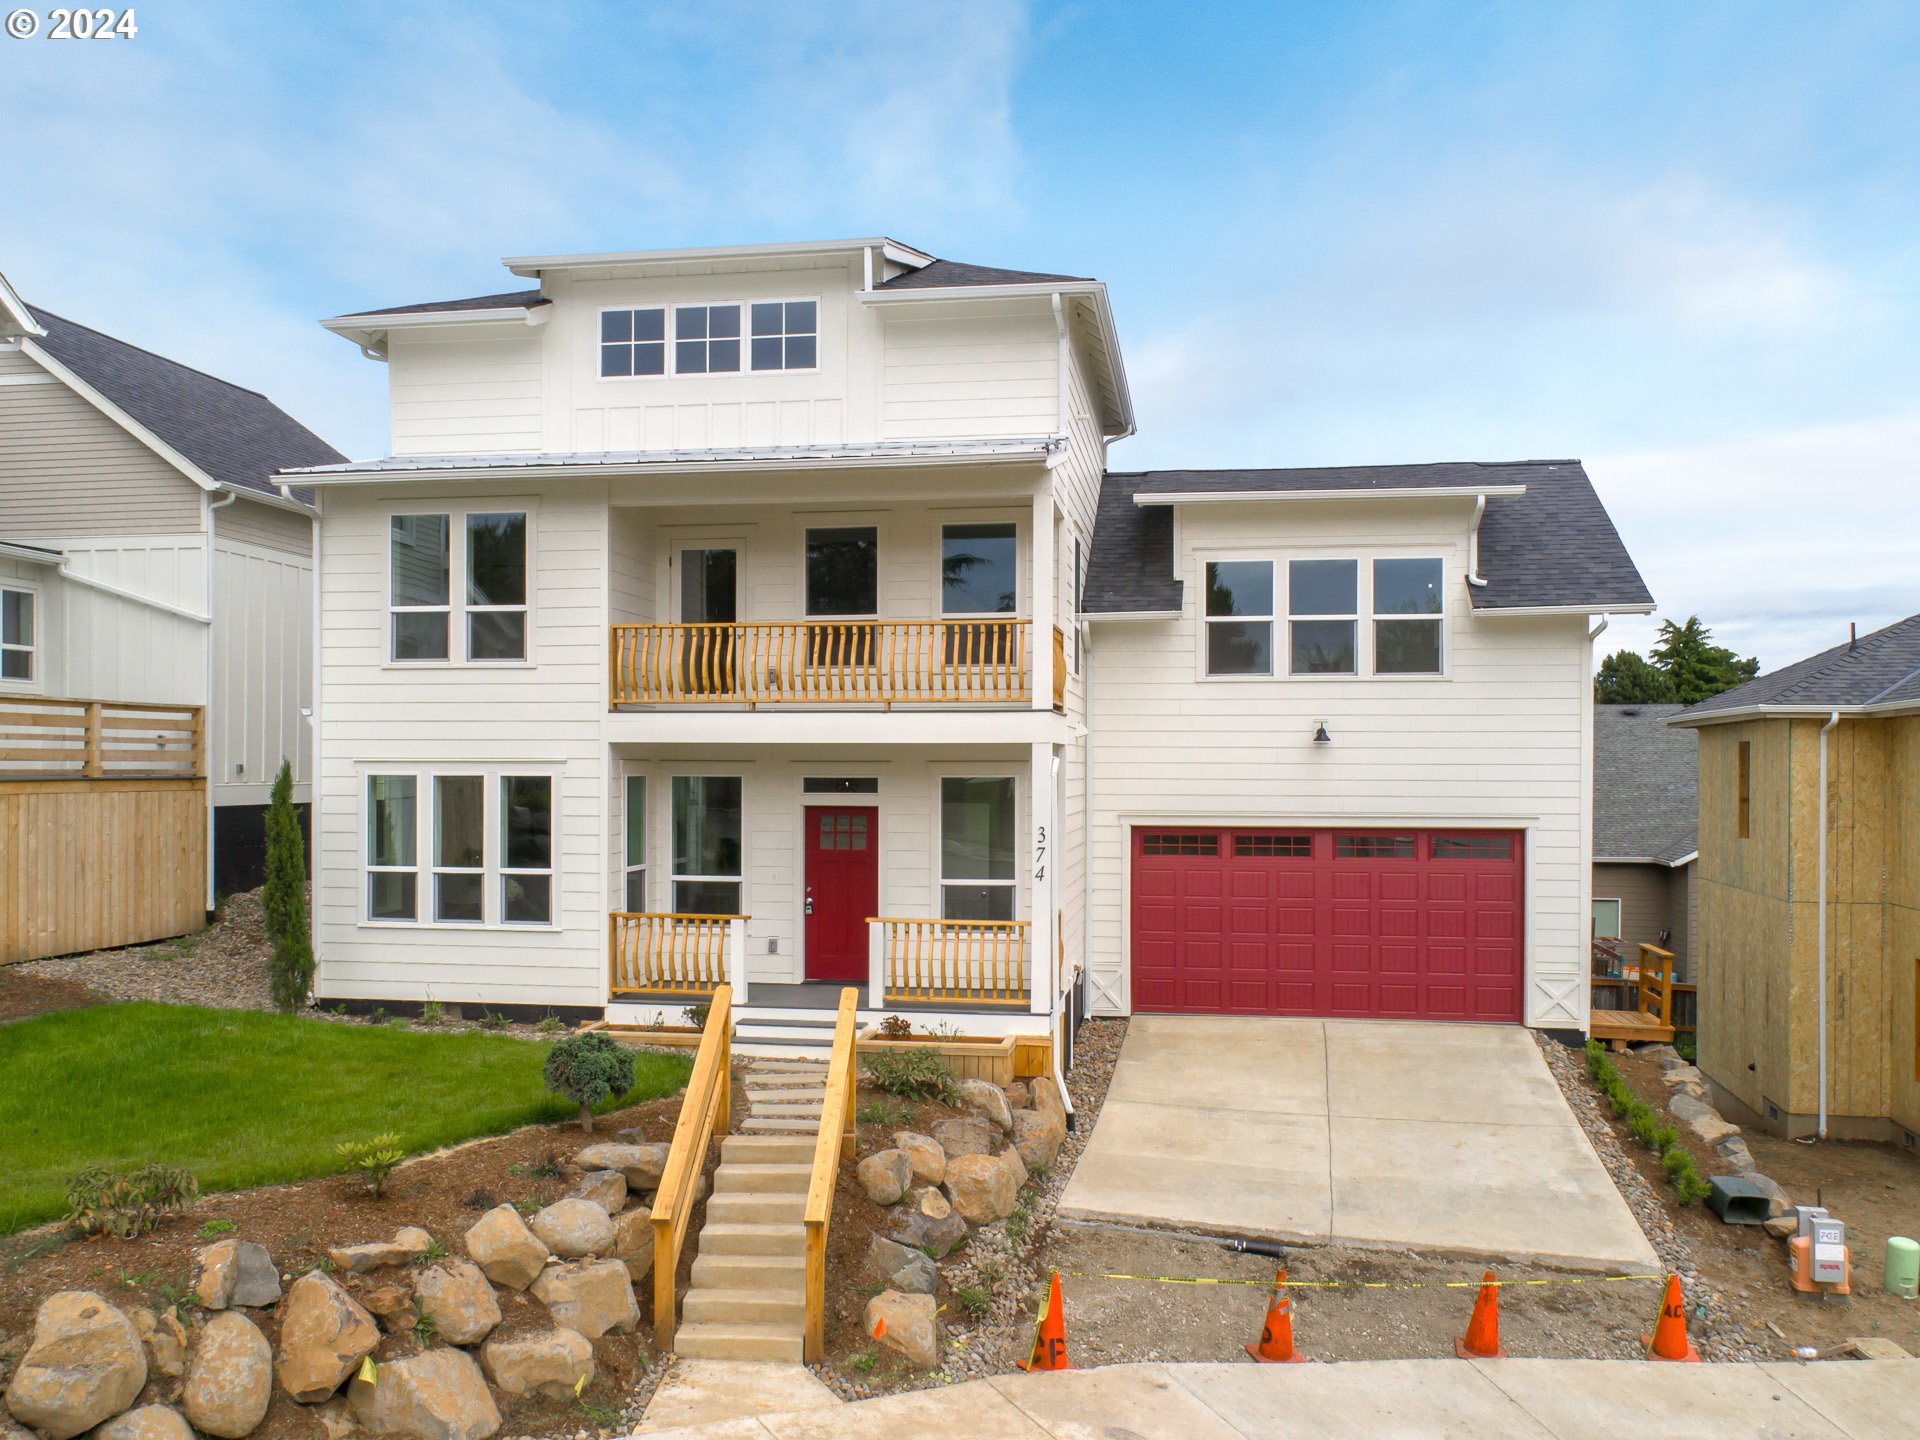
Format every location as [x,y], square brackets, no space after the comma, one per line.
[212,505]
[1474,577]
[1820,919]
[1060,417]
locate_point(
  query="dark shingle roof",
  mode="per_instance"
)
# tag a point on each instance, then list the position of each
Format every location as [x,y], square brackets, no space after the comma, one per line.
[1646,784]
[952,274]
[1879,669]
[1553,546]
[237,437]
[508,300]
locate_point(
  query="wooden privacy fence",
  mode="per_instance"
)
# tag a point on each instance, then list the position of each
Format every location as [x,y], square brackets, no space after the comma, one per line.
[673,956]
[821,662]
[832,1144]
[704,1115]
[981,962]
[95,739]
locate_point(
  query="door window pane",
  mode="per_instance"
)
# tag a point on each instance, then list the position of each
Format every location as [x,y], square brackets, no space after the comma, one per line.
[978,570]
[843,571]
[707,587]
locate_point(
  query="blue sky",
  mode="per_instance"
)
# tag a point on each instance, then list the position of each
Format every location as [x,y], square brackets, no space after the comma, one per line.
[1678,241]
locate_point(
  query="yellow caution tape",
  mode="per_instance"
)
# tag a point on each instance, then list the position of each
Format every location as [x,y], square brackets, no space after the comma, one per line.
[1352,1284]
[366,1369]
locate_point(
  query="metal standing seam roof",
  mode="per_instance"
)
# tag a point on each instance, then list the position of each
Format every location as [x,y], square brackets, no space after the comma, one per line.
[1646,785]
[237,437]
[1552,547]
[1882,668]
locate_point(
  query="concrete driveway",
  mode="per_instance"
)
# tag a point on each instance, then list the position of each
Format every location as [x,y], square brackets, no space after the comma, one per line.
[1441,1137]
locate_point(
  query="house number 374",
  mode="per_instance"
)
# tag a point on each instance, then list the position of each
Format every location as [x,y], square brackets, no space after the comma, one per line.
[1039,852]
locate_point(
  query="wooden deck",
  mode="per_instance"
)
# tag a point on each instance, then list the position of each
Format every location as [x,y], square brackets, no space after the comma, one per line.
[1650,1022]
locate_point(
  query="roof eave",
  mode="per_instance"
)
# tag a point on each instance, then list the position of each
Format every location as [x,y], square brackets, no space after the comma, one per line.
[1534,612]
[120,417]
[1808,711]
[370,332]
[32,554]
[531,265]
[14,312]
[1092,615]
[1397,492]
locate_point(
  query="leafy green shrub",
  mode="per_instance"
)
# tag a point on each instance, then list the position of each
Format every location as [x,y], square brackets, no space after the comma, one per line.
[975,1301]
[588,1068]
[101,1202]
[374,1160]
[696,1015]
[1664,1140]
[912,1075]
[214,1229]
[887,1114]
[284,898]
[1688,1048]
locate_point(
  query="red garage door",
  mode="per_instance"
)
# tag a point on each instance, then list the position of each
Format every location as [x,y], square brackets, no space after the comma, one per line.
[1410,924]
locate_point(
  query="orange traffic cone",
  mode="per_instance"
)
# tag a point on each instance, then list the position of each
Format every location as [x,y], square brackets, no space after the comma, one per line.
[1276,1336]
[1669,1340]
[1050,1336]
[1482,1340]
[879,1327]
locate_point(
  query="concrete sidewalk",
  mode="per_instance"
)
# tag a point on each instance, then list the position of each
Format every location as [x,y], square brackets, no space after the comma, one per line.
[1383,1400]
[1450,1138]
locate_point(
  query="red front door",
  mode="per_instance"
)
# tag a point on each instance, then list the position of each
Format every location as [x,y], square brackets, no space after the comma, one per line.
[843,889]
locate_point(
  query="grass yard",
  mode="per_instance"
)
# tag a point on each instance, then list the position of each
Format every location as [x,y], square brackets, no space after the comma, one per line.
[242,1098]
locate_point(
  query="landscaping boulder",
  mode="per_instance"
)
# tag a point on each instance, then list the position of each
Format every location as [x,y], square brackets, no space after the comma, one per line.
[1711,1128]
[336,1419]
[910,1328]
[988,1101]
[163,1338]
[605,1188]
[886,1176]
[964,1137]
[1778,1202]
[900,1267]
[981,1189]
[388,1304]
[927,1222]
[633,1243]
[641,1165]
[1690,1107]
[1038,1135]
[435,1395]
[149,1422]
[924,1154]
[406,1247]
[1046,1095]
[589,1296]
[502,1245]
[324,1334]
[551,1363]
[1019,1095]
[85,1365]
[573,1228]
[1674,1076]
[460,1301]
[229,1377]
[1734,1151]
[235,1272]
[1783,1227]
[1011,1162]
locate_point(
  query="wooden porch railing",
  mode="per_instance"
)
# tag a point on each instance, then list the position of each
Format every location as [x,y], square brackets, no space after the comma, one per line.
[980,962]
[1651,1019]
[1059,669]
[672,956]
[832,1144]
[703,1115]
[822,662]
[100,739]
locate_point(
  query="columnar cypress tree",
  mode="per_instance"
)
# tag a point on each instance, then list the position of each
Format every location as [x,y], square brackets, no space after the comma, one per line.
[285,898]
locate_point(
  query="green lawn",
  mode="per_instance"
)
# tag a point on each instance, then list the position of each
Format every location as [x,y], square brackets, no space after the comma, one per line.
[245,1099]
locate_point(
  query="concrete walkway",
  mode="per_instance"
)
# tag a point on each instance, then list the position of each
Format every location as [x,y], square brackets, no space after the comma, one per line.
[702,1392]
[1442,1137]
[1383,1400]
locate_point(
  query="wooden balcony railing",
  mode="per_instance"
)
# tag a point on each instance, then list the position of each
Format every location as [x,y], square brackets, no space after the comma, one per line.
[822,662]
[833,1143]
[1059,669]
[675,956]
[100,739]
[979,962]
[704,1113]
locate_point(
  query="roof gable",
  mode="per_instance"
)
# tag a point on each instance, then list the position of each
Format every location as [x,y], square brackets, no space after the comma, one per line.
[1646,785]
[1882,668]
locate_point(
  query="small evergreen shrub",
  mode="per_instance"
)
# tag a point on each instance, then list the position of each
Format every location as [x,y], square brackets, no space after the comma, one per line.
[284,898]
[696,1015]
[1664,1140]
[373,1160]
[912,1075]
[103,1202]
[588,1068]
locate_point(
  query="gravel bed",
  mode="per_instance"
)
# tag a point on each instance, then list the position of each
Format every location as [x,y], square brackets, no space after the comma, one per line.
[1711,1322]
[224,966]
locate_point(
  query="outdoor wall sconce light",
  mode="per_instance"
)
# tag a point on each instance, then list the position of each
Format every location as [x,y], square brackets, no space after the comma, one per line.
[1320,735]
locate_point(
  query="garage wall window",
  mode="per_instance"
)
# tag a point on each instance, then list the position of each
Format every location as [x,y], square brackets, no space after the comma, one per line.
[1473,847]
[1373,847]
[1406,610]
[1272,847]
[977,880]
[1160,842]
[1327,594]
[1239,617]
[1606,919]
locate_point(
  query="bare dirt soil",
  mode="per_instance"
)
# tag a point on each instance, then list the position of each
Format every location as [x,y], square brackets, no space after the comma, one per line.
[23,993]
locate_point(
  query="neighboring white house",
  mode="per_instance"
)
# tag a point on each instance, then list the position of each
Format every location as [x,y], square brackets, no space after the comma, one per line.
[732,612]
[148,557]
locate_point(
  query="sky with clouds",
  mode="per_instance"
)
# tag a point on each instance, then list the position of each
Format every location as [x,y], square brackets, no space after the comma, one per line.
[1678,241]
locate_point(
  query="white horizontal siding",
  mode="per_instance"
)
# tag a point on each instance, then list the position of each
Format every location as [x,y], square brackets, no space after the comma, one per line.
[458,392]
[973,370]
[253,523]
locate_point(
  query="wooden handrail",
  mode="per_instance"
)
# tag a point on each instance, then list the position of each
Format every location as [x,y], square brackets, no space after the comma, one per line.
[703,1115]
[100,739]
[1662,987]
[833,1144]
[1059,669]
[979,661]
[981,962]
[668,955]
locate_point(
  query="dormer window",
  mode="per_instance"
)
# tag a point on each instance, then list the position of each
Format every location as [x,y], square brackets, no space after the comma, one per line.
[633,342]
[706,339]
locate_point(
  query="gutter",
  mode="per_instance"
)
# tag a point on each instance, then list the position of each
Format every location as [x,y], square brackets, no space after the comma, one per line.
[1820,917]
[1395,492]
[211,710]
[1474,577]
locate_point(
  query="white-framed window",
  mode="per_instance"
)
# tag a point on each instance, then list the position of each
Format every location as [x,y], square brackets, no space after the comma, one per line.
[459,849]
[419,585]
[488,571]
[979,580]
[1606,919]
[636,850]
[706,339]
[497,586]
[1323,610]
[393,854]
[633,342]
[785,334]
[19,650]
[978,847]
[1407,621]
[706,844]
[1239,607]
[526,849]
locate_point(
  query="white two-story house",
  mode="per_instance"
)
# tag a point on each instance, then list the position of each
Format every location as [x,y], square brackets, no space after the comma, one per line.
[770,614]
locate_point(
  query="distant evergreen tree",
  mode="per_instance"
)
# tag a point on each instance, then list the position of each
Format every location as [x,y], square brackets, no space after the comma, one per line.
[284,898]
[1626,678]
[1685,669]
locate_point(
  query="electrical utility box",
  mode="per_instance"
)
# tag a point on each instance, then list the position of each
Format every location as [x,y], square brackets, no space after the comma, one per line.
[1829,1251]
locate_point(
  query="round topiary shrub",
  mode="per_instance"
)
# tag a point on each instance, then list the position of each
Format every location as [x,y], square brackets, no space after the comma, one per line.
[587,1068]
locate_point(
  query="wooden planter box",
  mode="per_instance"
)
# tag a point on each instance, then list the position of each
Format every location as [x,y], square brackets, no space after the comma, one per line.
[664,1037]
[1001,1059]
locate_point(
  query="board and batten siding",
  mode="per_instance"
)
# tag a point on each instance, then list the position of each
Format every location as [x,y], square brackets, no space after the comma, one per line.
[263,671]
[1498,742]
[542,716]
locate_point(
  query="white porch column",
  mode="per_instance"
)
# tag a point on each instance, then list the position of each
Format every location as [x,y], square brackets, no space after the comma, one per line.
[876,965]
[737,959]
[1041,852]
[1040,584]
